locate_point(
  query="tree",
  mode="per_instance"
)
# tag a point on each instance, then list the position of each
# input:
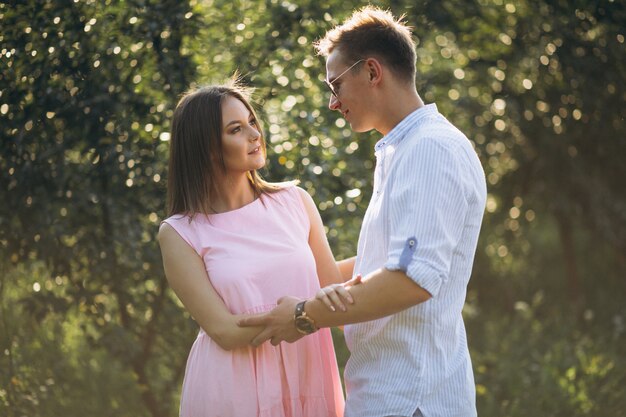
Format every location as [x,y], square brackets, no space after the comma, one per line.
[87,91]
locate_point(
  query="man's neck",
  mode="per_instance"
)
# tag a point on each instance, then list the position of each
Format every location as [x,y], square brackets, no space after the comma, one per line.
[400,103]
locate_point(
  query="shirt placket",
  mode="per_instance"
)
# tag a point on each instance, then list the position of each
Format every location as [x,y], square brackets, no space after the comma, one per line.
[378,174]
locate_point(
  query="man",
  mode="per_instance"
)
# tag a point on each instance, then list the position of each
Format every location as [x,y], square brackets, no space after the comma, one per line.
[409,354]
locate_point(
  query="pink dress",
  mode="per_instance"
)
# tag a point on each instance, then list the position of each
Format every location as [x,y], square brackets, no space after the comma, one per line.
[253,256]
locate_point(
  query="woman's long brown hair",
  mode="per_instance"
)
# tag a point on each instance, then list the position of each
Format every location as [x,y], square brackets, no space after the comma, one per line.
[196,156]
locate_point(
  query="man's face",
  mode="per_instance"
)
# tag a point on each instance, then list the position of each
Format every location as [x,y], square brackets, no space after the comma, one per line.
[351,90]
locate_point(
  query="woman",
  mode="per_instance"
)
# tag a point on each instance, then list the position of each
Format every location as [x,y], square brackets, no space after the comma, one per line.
[232,245]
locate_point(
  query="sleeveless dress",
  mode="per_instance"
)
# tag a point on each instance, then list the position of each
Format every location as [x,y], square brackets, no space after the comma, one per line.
[253,256]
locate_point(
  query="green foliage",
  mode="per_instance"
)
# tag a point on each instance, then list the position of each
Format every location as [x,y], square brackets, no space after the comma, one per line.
[564,373]
[87,90]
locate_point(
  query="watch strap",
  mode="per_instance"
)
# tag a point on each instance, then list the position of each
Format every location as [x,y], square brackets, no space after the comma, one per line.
[304,324]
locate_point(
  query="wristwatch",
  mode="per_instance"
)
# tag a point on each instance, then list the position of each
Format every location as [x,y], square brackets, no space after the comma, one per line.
[304,323]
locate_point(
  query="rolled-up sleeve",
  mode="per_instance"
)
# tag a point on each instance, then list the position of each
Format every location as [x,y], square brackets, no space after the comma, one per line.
[427,209]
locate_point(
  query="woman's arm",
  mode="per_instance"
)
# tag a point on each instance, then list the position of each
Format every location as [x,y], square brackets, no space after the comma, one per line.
[327,269]
[346,268]
[186,274]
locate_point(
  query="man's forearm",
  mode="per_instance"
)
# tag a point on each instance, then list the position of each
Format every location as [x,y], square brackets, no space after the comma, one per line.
[380,294]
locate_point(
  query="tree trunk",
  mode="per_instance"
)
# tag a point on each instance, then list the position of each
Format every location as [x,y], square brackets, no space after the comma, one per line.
[574,289]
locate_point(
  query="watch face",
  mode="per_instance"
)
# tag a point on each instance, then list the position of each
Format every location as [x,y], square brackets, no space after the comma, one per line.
[305,325]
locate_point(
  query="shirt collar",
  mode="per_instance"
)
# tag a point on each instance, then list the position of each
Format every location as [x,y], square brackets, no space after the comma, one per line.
[400,130]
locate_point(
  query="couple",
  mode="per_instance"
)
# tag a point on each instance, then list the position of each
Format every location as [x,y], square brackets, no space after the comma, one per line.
[234,244]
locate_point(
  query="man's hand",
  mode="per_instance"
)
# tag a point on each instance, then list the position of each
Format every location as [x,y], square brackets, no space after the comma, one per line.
[279,323]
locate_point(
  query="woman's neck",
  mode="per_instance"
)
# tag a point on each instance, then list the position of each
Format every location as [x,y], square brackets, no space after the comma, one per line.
[232,193]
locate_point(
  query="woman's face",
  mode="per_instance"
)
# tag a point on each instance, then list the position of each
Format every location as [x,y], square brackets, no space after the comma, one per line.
[241,142]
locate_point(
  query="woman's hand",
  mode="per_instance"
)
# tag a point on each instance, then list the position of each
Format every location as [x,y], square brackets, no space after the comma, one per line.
[335,295]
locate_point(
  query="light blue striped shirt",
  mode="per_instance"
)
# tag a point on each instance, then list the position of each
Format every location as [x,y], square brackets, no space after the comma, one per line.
[424,218]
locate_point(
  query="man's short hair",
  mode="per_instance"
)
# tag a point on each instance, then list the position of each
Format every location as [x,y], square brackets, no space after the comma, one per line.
[371,31]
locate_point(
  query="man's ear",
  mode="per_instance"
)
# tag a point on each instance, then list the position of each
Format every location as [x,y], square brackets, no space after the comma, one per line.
[375,70]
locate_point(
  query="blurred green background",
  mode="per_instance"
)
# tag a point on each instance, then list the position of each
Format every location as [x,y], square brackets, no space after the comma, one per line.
[88,326]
